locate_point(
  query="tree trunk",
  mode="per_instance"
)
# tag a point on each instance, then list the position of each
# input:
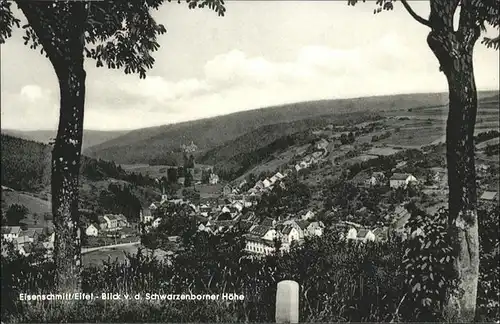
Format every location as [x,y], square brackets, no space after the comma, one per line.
[60,30]
[65,175]
[457,64]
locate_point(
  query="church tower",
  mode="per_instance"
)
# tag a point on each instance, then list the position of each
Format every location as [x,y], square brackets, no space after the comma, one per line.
[164,196]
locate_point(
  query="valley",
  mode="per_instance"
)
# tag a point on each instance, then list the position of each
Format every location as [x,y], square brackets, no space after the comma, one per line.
[316,150]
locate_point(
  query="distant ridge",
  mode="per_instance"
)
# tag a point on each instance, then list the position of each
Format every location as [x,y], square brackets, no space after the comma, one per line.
[90,137]
[155,143]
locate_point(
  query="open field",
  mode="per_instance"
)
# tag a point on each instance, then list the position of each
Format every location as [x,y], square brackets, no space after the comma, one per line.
[269,166]
[34,204]
[144,145]
[414,137]
[97,257]
[484,144]
[154,171]
[208,190]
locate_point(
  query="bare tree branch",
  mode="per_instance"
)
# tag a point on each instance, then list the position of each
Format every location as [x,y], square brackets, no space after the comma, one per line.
[414,14]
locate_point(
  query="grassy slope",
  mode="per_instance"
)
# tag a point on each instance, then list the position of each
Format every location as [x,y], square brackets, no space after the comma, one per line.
[34,204]
[410,134]
[137,146]
[25,168]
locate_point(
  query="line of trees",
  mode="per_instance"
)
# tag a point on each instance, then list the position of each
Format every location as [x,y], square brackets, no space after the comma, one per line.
[376,138]
[485,136]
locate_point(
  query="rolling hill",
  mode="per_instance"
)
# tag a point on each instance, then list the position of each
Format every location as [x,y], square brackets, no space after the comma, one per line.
[90,137]
[142,145]
[25,179]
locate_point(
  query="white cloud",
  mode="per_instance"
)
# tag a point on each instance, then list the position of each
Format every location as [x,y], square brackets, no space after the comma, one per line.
[33,92]
[32,107]
[158,89]
[235,67]
[234,81]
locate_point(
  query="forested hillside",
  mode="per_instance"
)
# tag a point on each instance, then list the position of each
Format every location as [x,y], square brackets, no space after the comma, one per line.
[235,157]
[142,145]
[104,186]
[90,137]
[25,164]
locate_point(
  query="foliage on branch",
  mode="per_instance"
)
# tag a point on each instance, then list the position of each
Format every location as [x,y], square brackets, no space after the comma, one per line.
[117,34]
[476,13]
[427,262]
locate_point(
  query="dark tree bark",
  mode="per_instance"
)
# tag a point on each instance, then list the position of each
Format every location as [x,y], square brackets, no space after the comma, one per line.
[454,50]
[65,172]
[60,29]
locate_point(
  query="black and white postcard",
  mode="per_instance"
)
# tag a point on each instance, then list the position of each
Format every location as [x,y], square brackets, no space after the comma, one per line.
[237,161]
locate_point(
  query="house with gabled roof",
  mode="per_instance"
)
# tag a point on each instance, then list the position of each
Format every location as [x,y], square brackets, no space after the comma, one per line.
[146,215]
[268,222]
[245,225]
[489,196]
[221,225]
[352,234]
[377,178]
[399,218]
[242,183]
[307,216]
[365,235]
[238,206]
[249,216]
[122,220]
[302,224]
[401,180]
[92,230]
[29,235]
[227,190]
[11,233]
[102,223]
[259,185]
[267,183]
[322,144]
[156,222]
[315,229]
[111,222]
[23,239]
[214,179]
[264,232]
[279,175]
[289,234]
[381,234]
[253,191]
[24,248]
[258,246]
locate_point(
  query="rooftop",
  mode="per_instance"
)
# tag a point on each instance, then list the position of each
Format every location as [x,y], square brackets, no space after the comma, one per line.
[302,223]
[11,230]
[267,222]
[400,176]
[256,239]
[260,230]
[362,232]
[488,195]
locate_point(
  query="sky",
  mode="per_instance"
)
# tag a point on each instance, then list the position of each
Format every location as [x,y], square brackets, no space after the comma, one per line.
[261,53]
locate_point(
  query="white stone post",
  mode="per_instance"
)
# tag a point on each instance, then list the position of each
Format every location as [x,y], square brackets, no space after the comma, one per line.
[287,302]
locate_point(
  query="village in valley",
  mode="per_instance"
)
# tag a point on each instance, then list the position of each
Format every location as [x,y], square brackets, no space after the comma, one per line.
[352,183]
